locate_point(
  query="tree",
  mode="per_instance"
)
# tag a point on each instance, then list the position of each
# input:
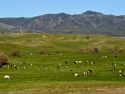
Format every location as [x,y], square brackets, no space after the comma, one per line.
[3,59]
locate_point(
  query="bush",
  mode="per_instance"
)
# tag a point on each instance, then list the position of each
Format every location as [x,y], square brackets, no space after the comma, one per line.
[112,49]
[82,50]
[15,53]
[3,59]
[42,52]
[95,49]
[57,51]
[121,50]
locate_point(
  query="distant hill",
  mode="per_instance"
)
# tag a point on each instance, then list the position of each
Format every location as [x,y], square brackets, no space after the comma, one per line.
[89,22]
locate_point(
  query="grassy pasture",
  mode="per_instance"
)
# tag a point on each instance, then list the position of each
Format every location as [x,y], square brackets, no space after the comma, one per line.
[33,80]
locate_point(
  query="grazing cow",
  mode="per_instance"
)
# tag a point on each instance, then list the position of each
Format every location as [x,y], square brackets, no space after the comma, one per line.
[89,71]
[87,62]
[31,64]
[67,66]
[70,71]
[60,65]
[6,76]
[123,64]
[85,73]
[77,61]
[120,73]
[24,67]
[74,62]
[65,62]
[116,56]
[113,64]
[76,75]
[24,62]
[104,56]
[47,69]
[39,68]
[31,53]
[57,68]
[113,69]
[80,61]
[92,62]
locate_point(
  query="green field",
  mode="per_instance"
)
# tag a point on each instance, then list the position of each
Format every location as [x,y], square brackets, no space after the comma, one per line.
[33,80]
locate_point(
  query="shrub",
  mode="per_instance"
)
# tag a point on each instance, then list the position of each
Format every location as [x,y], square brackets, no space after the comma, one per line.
[112,49]
[121,50]
[3,59]
[91,50]
[15,53]
[57,51]
[42,52]
[95,49]
[82,50]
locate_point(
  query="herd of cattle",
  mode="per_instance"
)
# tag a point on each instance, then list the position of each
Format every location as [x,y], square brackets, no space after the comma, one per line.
[61,65]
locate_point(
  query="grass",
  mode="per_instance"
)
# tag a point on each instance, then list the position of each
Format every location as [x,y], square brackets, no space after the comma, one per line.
[32,80]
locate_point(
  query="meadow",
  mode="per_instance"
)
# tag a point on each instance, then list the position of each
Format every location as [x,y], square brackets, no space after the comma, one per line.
[36,80]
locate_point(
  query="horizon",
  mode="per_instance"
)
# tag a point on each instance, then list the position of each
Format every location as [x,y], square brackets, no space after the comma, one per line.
[30,8]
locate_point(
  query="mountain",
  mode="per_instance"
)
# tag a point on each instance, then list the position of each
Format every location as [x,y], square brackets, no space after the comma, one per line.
[87,22]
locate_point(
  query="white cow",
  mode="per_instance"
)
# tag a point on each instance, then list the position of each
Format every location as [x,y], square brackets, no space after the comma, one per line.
[76,75]
[6,76]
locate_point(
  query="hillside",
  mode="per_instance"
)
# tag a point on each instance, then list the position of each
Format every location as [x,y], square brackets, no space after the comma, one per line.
[89,22]
[28,72]
[27,42]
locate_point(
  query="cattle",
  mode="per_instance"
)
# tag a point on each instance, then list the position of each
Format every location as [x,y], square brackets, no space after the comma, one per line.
[85,73]
[67,66]
[87,62]
[120,73]
[57,68]
[65,62]
[104,56]
[31,64]
[24,67]
[113,69]
[6,76]
[76,75]
[31,53]
[47,69]
[24,62]
[113,64]
[76,62]
[116,56]
[80,61]
[60,65]
[91,62]
[70,71]
[89,71]
[39,68]
[123,64]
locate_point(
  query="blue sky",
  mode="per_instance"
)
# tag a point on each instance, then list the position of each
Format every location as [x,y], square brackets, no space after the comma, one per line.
[31,8]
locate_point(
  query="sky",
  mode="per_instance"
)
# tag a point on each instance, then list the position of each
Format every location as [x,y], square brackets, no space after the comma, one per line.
[31,8]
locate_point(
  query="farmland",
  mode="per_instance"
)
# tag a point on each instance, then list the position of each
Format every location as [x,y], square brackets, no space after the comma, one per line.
[63,47]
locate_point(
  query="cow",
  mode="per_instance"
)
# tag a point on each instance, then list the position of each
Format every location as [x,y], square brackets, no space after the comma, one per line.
[76,75]
[6,76]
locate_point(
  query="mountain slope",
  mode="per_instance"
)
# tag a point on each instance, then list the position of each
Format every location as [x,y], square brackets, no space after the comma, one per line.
[86,20]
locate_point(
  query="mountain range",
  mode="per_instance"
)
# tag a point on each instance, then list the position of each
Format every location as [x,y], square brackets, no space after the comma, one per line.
[87,22]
